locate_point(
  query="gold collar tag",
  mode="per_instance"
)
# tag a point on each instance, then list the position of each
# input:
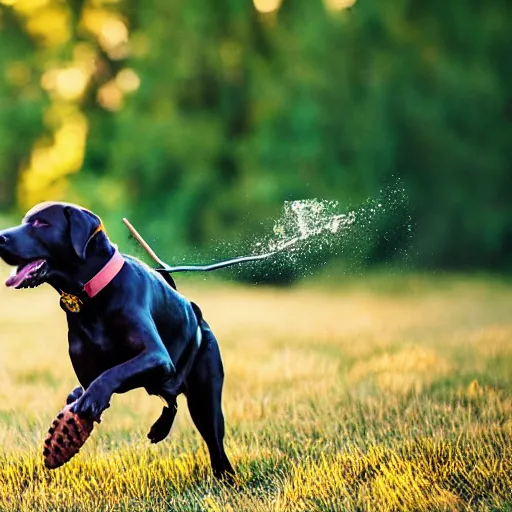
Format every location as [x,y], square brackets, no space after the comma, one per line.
[71,302]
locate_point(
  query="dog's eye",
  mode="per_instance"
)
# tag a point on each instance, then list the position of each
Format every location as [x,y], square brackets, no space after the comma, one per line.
[37,223]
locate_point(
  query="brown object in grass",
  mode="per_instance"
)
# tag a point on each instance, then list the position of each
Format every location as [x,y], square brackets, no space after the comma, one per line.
[66,436]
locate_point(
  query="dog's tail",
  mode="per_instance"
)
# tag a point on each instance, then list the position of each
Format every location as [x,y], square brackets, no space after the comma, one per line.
[167,277]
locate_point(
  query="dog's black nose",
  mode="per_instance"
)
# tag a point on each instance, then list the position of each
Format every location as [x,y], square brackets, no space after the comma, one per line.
[3,239]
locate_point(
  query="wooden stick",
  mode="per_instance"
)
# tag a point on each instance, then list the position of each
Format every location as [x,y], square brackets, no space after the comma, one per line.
[143,242]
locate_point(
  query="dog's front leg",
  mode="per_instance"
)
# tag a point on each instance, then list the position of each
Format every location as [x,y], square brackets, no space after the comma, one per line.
[153,362]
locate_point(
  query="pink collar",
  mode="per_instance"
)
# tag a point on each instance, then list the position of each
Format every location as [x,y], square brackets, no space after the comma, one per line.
[105,275]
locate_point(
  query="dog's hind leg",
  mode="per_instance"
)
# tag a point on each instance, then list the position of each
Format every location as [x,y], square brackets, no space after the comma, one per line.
[170,390]
[204,395]
[162,426]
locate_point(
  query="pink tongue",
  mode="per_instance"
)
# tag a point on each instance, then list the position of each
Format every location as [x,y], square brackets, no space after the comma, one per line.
[19,277]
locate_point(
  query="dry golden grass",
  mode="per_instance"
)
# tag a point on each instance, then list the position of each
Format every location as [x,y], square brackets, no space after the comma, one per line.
[376,395]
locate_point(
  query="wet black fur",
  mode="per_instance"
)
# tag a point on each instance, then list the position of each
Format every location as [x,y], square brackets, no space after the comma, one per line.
[137,332]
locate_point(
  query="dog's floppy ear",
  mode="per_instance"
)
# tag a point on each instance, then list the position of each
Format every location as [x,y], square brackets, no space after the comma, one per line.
[83,225]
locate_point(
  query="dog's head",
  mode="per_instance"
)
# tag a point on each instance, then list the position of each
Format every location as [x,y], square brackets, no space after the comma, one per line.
[53,238]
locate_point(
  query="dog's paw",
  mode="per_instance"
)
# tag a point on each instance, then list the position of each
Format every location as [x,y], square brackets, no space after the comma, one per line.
[161,428]
[92,403]
[75,395]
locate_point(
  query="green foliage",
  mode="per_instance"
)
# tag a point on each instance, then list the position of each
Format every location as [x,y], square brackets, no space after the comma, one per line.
[21,103]
[239,111]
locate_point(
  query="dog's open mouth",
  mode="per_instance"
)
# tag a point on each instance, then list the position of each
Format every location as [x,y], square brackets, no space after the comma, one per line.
[28,275]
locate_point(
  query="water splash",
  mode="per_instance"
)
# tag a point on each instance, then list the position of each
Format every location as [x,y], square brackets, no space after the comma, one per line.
[310,232]
[307,218]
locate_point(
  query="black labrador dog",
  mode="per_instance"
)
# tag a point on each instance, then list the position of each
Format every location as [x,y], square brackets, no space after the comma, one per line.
[128,326]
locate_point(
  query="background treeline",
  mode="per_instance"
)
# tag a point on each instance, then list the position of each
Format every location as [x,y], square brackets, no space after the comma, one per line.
[198,119]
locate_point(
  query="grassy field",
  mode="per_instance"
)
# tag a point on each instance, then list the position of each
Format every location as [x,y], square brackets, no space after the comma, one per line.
[378,394]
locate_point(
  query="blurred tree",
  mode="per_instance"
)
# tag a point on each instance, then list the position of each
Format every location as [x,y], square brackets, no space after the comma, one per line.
[21,103]
[199,119]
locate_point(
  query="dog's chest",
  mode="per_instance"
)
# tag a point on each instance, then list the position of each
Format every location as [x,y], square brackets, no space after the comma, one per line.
[96,346]
[92,338]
